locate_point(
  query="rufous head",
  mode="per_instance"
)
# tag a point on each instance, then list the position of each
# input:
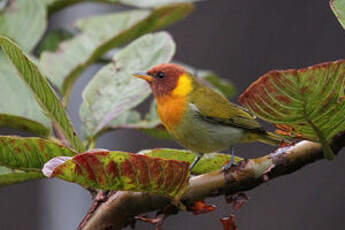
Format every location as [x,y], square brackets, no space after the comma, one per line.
[164,78]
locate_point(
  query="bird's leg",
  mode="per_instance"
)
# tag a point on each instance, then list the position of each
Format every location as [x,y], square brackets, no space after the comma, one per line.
[232,161]
[196,160]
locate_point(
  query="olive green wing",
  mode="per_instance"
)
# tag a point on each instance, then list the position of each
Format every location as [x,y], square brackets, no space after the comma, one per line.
[213,107]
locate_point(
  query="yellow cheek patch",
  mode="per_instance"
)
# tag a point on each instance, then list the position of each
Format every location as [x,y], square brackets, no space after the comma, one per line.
[184,86]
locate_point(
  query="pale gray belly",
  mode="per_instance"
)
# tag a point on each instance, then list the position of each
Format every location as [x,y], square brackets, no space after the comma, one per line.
[203,137]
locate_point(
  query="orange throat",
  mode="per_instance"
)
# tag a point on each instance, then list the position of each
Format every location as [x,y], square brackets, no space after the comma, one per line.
[171,109]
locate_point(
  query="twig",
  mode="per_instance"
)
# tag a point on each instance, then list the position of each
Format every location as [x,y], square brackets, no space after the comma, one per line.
[122,207]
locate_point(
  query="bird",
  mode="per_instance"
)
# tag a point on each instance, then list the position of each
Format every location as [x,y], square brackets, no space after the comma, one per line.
[198,117]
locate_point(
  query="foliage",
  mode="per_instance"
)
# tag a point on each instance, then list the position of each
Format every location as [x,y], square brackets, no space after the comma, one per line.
[20,109]
[63,57]
[113,90]
[304,103]
[23,158]
[122,171]
[43,92]
[208,163]
[338,7]
[93,41]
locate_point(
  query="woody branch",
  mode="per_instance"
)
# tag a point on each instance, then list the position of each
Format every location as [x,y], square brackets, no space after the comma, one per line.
[118,209]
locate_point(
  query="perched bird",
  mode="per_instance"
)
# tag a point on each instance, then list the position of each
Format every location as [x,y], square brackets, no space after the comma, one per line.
[197,116]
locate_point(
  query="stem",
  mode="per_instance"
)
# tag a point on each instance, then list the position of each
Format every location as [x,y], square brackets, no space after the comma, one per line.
[59,135]
[120,208]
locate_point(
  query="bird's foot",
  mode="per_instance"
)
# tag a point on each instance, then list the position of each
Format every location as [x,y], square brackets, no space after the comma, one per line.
[196,160]
[231,162]
[229,165]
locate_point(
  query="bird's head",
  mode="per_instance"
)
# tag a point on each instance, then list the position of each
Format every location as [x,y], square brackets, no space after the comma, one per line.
[168,79]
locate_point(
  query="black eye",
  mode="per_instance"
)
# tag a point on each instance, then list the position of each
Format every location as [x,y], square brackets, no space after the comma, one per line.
[160,75]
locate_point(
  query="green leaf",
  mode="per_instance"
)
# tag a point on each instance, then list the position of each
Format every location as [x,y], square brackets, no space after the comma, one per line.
[114,90]
[24,22]
[153,3]
[65,66]
[307,103]
[21,123]
[25,157]
[18,107]
[338,7]
[43,92]
[54,5]
[29,154]
[3,4]
[14,176]
[208,163]
[53,39]
[122,171]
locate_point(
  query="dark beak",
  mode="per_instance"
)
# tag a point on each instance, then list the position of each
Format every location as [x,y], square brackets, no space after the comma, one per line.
[144,76]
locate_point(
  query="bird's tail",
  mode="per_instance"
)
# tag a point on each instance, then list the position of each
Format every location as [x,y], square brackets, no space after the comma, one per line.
[271,138]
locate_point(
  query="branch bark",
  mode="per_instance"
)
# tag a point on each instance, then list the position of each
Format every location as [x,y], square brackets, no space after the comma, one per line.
[121,207]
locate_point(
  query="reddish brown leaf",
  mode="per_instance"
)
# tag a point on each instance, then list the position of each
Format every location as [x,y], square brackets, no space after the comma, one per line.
[200,207]
[122,171]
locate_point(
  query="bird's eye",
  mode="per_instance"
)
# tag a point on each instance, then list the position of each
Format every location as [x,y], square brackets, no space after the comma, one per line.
[160,75]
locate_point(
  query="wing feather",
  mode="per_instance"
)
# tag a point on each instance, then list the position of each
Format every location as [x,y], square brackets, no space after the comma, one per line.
[213,107]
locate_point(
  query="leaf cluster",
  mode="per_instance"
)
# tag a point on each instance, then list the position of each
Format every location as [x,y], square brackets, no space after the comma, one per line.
[37,79]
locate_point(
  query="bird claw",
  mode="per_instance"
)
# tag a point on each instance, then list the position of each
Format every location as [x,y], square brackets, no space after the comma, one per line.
[228,166]
[232,162]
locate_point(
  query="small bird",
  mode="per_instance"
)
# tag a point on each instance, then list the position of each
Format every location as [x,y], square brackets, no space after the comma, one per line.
[198,117]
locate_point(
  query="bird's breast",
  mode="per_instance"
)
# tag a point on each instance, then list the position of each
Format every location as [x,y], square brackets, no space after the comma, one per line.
[171,110]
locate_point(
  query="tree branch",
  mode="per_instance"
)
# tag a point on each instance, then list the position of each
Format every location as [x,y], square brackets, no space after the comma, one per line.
[121,207]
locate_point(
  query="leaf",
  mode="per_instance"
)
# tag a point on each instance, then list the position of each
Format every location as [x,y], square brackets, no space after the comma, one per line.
[208,163]
[122,171]
[43,92]
[306,103]
[29,154]
[53,39]
[74,55]
[21,123]
[14,176]
[114,90]
[153,3]
[24,22]
[18,108]
[3,4]
[338,7]
[54,5]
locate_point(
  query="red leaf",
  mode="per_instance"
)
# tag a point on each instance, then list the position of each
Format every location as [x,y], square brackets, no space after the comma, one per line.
[200,207]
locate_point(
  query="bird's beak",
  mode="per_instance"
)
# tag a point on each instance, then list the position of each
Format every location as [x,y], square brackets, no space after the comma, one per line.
[144,76]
